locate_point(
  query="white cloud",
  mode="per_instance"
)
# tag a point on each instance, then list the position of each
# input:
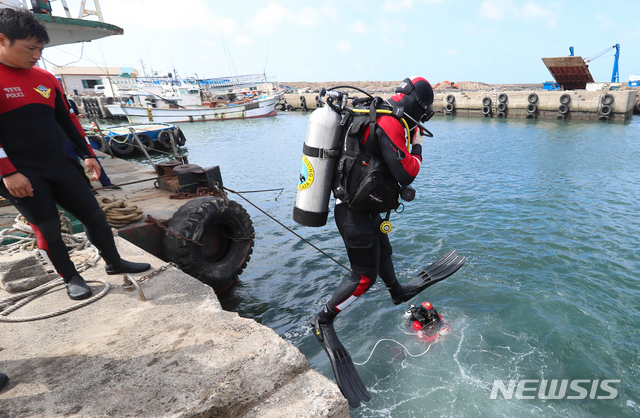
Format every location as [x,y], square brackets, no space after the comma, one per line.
[343,46]
[243,40]
[494,9]
[533,10]
[359,27]
[397,5]
[268,19]
[452,52]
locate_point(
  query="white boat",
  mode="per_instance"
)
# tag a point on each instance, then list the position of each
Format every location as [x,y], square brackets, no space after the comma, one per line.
[258,108]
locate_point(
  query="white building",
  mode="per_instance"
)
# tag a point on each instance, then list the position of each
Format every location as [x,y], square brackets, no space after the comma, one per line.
[77,81]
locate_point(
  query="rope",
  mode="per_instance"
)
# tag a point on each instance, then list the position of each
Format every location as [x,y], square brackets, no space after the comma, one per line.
[118,213]
[38,291]
[81,252]
[399,343]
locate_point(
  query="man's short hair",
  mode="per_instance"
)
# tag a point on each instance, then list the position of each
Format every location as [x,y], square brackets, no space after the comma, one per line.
[21,24]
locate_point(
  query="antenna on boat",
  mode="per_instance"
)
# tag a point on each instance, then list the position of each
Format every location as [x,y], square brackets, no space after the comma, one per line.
[264,70]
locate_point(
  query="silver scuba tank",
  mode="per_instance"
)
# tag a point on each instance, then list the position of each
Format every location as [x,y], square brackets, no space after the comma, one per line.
[320,152]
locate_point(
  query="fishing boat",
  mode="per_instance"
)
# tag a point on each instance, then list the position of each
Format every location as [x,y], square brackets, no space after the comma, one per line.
[260,107]
[121,140]
[172,100]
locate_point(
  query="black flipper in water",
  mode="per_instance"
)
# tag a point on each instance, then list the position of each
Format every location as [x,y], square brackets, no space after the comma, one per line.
[432,274]
[344,370]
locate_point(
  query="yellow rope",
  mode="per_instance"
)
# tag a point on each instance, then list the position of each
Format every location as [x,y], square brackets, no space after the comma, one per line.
[118,213]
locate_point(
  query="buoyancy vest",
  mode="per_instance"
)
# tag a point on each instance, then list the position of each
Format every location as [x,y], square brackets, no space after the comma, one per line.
[362,179]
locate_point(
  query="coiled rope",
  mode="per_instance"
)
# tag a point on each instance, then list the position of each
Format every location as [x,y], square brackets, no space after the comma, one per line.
[118,213]
[82,253]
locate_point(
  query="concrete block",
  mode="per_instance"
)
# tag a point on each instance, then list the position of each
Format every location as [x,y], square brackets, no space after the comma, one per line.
[23,271]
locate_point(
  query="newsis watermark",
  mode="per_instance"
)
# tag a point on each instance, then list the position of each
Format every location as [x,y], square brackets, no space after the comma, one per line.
[555,389]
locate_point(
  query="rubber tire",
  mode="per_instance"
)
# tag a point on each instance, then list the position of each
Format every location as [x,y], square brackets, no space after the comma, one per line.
[302,100]
[530,115]
[565,99]
[163,141]
[605,110]
[603,117]
[451,98]
[607,99]
[563,109]
[502,107]
[533,98]
[206,220]
[97,138]
[501,115]
[120,149]
[449,107]
[110,100]
[561,116]
[486,110]
[289,108]
[638,107]
[486,101]
[146,140]
[531,108]
[502,97]
[279,107]
[181,139]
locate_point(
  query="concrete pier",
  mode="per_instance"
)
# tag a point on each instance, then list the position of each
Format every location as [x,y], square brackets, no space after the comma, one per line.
[177,354]
[582,104]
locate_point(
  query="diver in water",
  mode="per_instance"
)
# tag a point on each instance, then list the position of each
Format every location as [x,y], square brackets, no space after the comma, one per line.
[367,244]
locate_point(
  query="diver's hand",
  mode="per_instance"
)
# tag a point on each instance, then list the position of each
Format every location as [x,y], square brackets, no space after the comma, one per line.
[417,138]
[18,185]
[93,168]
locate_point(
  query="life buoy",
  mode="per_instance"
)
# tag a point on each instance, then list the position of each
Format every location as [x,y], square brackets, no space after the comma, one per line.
[163,140]
[530,115]
[501,115]
[502,97]
[565,99]
[451,98]
[121,145]
[486,101]
[607,99]
[563,109]
[531,108]
[449,107]
[486,110]
[226,233]
[605,110]
[502,107]
[532,98]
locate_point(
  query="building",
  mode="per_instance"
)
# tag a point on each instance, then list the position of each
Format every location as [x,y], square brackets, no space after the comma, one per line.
[77,81]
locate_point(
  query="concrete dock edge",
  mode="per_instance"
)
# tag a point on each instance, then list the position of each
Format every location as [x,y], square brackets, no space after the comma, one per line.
[177,354]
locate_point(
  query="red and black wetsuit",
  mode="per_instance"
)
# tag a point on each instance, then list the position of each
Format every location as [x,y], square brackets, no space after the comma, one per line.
[369,250]
[32,106]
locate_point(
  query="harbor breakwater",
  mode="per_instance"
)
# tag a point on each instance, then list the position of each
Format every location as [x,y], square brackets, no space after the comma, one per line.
[612,105]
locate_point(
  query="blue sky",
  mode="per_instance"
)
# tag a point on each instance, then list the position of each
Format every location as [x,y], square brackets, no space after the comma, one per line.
[493,41]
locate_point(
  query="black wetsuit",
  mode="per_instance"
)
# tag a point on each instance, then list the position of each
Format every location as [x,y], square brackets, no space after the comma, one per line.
[32,106]
[368,249]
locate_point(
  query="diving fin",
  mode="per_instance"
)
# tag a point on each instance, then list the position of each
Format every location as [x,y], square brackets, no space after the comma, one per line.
[344,370]
[432,274]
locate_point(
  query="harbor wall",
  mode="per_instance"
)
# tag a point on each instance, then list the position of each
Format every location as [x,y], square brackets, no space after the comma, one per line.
[580,104]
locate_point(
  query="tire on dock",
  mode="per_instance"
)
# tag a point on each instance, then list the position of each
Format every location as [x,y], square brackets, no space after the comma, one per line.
[121,145]
[224,230]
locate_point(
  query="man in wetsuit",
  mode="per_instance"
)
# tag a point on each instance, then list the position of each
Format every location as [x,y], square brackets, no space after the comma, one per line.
[368,249]
[36,173]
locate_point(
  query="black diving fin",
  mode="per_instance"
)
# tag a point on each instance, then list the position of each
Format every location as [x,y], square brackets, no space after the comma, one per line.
[432,274]
[344,370]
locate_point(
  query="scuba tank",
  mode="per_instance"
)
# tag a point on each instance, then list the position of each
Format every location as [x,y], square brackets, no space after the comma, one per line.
[320,152]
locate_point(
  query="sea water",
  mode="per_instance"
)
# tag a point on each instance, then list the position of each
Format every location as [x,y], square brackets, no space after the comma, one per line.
[546,213]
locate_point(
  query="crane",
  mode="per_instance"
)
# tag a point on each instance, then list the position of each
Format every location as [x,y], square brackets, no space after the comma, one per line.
[615,76]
